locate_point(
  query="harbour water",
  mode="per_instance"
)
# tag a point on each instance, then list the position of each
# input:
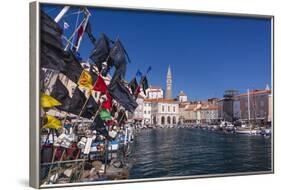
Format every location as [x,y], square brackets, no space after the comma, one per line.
[186,151]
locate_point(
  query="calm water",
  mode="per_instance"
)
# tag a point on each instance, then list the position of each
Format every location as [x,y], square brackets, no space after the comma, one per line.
[182,152]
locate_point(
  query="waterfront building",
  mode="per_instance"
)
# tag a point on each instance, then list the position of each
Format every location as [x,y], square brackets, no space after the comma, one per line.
[225,105]
[207,113]
[164,111]
[154,92]
[259,102]
[182,97]
[190,115]
[138,113]
[147,112]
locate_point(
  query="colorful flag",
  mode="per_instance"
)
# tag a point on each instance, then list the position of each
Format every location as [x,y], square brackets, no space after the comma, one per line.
[77,101]
[105,115]
[100,85]
[52,123]
[85,80]
[61,93]
[48,101]
[90,108]
[122,95]
[107,104]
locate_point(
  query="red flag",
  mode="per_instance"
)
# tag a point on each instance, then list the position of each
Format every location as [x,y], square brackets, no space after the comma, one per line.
[100,85]
[136,93]
[107,104]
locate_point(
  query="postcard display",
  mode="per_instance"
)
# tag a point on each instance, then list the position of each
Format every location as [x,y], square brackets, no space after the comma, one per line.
[129,94]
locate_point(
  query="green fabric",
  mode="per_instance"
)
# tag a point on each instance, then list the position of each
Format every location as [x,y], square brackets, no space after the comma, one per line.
[105,115]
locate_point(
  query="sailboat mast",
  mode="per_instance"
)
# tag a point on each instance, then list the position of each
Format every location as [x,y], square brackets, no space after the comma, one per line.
[249,110]
[62,13]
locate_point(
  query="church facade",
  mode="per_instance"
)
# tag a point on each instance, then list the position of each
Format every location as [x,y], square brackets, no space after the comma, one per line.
[157,109]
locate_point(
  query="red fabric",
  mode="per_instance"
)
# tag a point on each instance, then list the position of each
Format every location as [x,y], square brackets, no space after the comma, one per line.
[100,85]
[107,103]
[137,91]
[80,32]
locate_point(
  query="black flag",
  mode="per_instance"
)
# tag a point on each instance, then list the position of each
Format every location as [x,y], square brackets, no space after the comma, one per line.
[72,68]
[117,54]
[61,93]
[99,126]
[77,101]
[90,34]
[101,51]
[122,95]
[133,84]
[51,47]
[144,84]
[90,108]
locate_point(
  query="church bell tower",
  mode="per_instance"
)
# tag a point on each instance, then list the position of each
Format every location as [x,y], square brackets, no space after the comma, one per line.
[169,84]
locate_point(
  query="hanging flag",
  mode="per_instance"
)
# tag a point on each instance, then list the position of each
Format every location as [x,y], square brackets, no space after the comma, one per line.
[133,85]
[100,85]
[77,101]
[52,123]
[48,101]
[122,95]
[90,34]
[90,109]
[101,51]
[138,74]
[72,68]
[99,126]
[65,25]
[117,54]
[148,70]
[105,115]
[80,33]
[144,84]
[107,104]
[60,93]
[85,80]
[51,46]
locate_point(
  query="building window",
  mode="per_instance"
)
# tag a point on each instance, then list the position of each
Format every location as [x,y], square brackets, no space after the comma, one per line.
[174,109]
[144,112]
[168,108]
[262,103]
[163,109]
[148,112]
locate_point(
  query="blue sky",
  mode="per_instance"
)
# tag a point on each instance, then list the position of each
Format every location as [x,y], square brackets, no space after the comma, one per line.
[207,54]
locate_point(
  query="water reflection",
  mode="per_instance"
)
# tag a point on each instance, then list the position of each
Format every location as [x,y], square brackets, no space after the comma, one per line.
[182,152]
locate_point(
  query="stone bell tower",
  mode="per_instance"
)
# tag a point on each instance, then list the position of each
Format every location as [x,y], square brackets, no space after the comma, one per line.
[169,84]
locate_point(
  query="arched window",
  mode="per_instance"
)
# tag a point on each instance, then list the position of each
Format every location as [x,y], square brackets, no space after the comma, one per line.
[163,120]
[174,120]
[168,120]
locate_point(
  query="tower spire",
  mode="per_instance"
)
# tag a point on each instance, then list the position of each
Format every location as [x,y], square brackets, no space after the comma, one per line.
[169,83]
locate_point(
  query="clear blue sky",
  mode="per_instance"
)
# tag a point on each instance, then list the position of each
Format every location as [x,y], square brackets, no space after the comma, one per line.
[207,54]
